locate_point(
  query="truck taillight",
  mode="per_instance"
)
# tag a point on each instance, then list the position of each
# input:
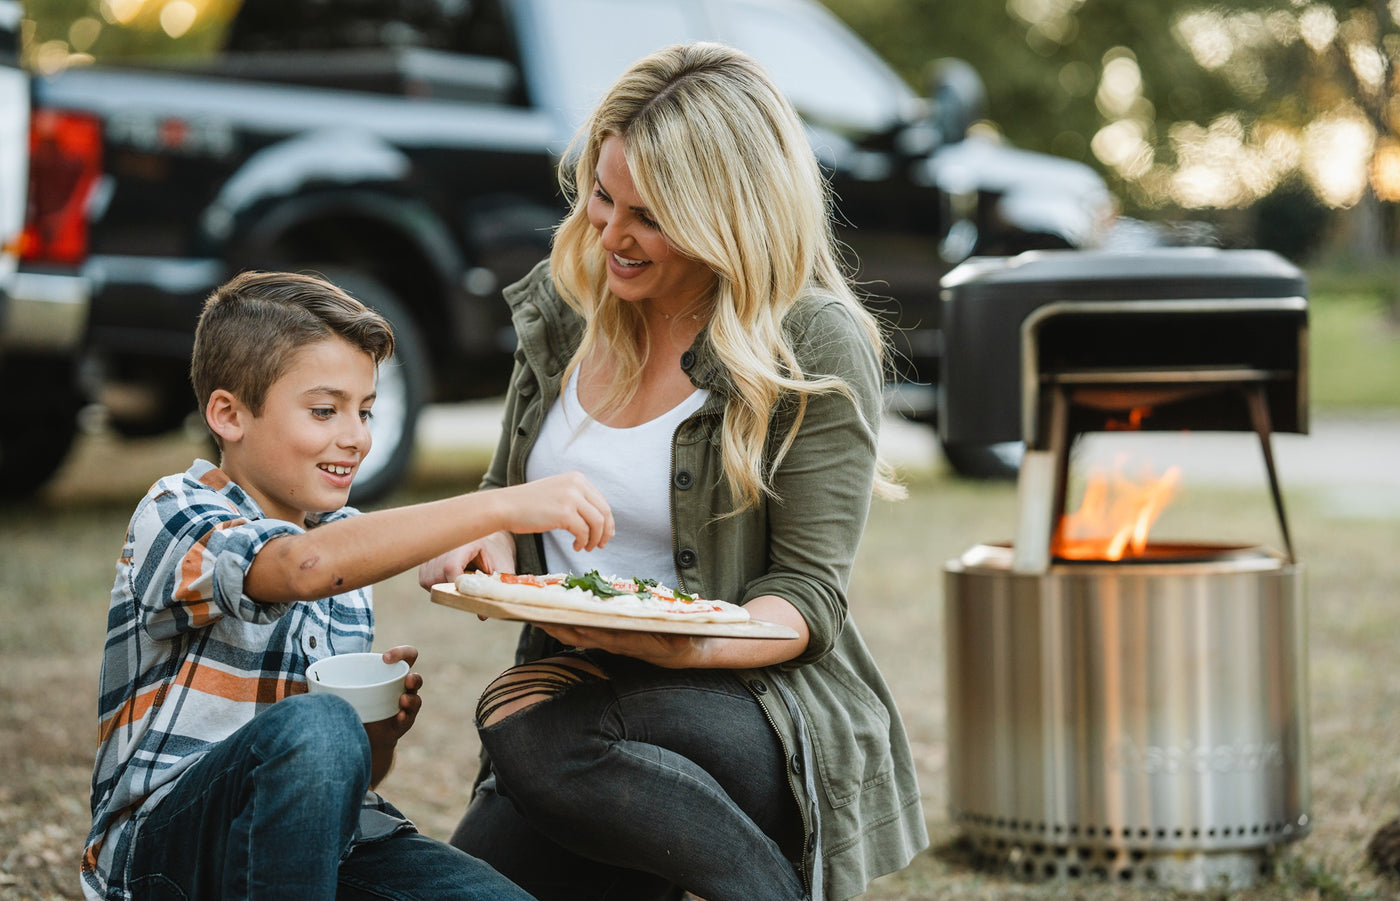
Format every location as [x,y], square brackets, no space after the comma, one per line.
[65,162]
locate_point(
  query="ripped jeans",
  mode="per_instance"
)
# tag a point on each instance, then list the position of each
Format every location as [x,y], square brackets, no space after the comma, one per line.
[635,785]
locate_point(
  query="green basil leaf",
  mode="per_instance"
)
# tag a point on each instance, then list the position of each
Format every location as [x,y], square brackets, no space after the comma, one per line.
[592,581]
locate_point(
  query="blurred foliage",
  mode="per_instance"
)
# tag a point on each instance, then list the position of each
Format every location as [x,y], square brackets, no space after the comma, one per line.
[1253,78]
[1291,221]
[1042,87]
[1041,93]
[68,32]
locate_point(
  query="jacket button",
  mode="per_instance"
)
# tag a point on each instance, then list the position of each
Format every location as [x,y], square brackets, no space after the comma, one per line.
[311,641]
[758,686]
[686,558]
[688,360]
[797,764]
[684,480]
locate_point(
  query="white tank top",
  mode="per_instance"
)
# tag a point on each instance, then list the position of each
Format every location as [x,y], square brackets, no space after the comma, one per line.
[631,467]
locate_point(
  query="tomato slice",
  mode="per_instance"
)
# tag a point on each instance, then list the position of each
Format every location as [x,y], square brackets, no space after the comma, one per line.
[530,579]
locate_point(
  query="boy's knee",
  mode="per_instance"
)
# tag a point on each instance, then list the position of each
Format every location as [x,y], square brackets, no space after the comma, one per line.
[319,730]
[325,711]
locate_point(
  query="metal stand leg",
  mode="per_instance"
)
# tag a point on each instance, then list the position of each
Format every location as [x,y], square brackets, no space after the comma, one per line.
[1263,427]
[1041,492]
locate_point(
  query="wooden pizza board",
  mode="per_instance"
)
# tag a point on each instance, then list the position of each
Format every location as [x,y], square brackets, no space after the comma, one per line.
[446,593]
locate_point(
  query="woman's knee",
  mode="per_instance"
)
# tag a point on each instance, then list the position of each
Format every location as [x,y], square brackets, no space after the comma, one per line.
[528,684]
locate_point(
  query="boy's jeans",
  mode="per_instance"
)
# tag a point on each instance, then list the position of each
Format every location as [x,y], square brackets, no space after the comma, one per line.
[271,811]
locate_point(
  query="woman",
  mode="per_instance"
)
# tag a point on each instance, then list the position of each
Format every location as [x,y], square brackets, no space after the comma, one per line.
[693,346]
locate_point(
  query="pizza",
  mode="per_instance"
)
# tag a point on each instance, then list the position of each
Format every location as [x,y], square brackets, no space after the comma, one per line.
[594,593]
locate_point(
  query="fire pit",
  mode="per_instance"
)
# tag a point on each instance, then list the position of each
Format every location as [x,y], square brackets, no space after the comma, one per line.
[1116,707]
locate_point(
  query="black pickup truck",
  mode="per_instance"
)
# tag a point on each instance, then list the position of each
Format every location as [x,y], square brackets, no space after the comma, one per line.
[407,150]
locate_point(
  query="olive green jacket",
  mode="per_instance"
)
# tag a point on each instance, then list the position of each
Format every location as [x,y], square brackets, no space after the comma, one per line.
[850,766]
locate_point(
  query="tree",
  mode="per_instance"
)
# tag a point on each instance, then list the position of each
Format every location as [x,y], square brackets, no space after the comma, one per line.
[1188,108]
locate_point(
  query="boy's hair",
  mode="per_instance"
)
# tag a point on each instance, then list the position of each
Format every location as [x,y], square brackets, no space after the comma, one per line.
[253,324]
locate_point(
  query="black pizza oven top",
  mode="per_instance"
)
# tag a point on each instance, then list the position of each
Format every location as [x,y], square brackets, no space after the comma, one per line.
[1167,336]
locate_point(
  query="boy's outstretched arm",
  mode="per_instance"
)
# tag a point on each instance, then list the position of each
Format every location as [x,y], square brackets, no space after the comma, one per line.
[362,550]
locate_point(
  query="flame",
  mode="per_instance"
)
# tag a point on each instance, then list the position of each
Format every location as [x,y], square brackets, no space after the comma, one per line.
[1132,424]
[1116,513]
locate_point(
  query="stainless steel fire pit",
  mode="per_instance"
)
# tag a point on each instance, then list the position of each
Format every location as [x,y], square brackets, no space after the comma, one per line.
[1136,721]
[1145,717]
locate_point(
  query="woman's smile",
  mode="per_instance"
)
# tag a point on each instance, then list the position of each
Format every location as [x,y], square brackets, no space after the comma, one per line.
[624,267]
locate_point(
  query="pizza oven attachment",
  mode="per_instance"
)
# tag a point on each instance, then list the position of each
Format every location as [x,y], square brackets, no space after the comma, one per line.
[1145,718]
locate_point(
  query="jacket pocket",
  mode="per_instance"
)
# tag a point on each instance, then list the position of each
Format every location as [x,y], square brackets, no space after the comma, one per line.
[849,727]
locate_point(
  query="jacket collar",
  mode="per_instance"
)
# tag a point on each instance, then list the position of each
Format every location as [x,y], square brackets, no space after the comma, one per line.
[706,370]
[548,330]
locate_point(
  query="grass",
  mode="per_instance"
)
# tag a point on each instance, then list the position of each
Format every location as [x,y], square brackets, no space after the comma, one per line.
[1354,337]
[59,551]
[58,564]
[1355,346]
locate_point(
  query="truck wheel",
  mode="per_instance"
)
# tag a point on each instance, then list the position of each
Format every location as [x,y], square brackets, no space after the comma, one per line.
[985,461]
[403,388]
[166,385]
[41,421]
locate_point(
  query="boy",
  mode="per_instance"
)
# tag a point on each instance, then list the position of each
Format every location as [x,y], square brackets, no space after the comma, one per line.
[216,775]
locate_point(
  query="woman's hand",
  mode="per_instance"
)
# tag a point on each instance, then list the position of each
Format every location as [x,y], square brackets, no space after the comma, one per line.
[683,651]
[493,554]
[658,649]
[384,734]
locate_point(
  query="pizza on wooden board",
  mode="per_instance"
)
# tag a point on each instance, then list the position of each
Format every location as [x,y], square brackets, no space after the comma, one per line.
[594,593]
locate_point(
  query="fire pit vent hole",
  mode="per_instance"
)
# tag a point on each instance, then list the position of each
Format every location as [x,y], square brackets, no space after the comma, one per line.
[1053,861]
[1155,836]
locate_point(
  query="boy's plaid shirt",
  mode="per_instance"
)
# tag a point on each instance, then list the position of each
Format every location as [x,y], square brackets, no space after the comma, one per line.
[189,658]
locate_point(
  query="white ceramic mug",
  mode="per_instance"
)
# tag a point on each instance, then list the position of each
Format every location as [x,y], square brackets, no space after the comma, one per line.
[365,680]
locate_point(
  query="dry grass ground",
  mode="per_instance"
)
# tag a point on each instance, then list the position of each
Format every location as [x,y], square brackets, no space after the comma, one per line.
[56,558]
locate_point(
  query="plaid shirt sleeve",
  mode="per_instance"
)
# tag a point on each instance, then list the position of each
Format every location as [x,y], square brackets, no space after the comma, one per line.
[188,553]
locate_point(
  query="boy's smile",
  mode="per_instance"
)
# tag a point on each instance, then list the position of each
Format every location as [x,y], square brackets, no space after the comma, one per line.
[300,454]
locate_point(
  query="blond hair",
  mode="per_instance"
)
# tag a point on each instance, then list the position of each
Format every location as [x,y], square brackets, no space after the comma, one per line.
[723,164]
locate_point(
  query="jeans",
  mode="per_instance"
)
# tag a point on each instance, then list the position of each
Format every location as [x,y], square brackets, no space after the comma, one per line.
[272,812]
[636,786]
